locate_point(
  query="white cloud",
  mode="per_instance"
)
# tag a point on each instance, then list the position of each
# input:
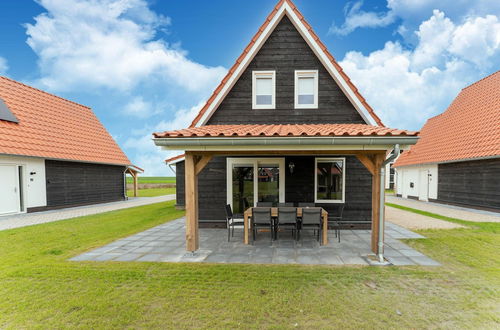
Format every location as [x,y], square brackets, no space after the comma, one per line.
[152,157]
[138,107]
[357,18]
[406,86]
[3,65]
[411,13]
[109,43]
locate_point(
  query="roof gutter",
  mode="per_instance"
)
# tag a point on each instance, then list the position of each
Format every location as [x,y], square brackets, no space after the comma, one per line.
[186,142]
[381,219]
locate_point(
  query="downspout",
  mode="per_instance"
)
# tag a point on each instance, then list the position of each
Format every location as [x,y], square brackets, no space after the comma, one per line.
[381,220]
[125,197]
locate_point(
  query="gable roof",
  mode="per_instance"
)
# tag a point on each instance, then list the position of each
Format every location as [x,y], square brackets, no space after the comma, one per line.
[286,7]
[468,129]
[53,127]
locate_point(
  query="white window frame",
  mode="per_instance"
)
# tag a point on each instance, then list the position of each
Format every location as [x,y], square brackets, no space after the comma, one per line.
[258,74]
[255,162]
[329,159]
[306,74]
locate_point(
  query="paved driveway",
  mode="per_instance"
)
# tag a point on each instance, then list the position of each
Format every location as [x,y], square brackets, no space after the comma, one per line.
[29,219]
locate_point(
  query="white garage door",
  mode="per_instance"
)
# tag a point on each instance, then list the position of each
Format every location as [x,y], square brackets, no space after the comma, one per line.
[9,189]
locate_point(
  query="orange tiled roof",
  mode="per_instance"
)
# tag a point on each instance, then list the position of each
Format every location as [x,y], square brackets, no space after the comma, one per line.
[259,130]
[53,127]
[171,159]
[468,129]
[252,42]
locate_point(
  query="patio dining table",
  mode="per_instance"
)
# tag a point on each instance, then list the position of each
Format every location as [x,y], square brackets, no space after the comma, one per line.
[274,213]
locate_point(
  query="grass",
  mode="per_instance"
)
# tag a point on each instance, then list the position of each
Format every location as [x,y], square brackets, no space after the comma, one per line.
[152,192]
[39,287]
[153,179]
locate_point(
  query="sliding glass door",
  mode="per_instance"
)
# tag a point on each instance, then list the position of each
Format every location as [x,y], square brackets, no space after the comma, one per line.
[252,180]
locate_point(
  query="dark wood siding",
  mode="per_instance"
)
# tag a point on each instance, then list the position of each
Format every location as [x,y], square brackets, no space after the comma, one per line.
[299,187]
[475,183]
[179,185]
[285,51]
[72,183]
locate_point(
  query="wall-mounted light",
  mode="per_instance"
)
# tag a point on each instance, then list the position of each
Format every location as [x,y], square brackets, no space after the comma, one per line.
[291,166]
[32,173]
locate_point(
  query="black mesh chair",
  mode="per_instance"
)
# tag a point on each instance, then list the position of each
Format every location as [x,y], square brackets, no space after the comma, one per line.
[287,219]
[335,219]
[261,218]
[264,204]
[307,205]
[285,204]
[231,222]
[311,220]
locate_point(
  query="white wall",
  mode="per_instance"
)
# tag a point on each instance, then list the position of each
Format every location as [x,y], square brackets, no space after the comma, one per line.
[35,193]
[423,177]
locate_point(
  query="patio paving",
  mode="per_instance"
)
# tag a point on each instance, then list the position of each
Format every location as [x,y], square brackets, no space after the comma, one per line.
[166,243]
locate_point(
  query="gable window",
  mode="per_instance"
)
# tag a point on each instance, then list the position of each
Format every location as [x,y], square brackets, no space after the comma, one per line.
[329,180]
[263,89]
[306,89]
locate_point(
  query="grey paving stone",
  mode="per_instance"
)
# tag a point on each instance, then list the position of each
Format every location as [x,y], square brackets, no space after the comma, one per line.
[107,256]
[400,261]
[353,260]
[411,253]
[424,261]
[150,257]
[171,257]
[85,257]
[128,257]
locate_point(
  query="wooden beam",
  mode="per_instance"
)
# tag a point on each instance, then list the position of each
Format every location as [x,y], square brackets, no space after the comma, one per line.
[377,161]
[136,183]
[191,188]
[202,162]
[367,160]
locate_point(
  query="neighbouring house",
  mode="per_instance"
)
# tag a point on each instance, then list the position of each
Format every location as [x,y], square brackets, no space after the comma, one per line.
[457,159]
[54,153]
[286,124]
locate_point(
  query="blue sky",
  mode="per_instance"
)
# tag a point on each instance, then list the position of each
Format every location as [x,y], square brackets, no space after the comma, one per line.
[147,66]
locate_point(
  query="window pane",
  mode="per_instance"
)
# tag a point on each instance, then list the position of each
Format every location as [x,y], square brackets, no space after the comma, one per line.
[264,99]
[306,85]
[268,183]
[306,99]
[264,86]
[242,188]
[329,179]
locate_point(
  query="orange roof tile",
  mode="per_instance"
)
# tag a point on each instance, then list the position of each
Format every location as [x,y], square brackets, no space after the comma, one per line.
[252,42]
[171,159]
[53,127]
[468,129]
[259,130]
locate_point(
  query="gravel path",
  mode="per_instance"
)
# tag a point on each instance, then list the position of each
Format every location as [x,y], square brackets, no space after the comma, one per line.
[29,219]
[412,220]
[447,210]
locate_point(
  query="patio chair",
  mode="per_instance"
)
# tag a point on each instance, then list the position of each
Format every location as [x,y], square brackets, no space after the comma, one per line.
[335,220]
[231,222]
[285,204]
[307,205]
[311,219]
[264,204]
[261,218]
[287,219]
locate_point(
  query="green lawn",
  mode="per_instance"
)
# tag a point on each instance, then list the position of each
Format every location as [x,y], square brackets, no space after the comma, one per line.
[152,179]
[151,192]
[39,287]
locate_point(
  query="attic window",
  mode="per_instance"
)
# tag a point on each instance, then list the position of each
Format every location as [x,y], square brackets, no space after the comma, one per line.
[263,89]
[6,114]
[306,89]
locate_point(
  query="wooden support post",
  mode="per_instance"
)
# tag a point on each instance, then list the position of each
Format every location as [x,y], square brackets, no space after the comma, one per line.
[134,175]
[377,162]
[191,187]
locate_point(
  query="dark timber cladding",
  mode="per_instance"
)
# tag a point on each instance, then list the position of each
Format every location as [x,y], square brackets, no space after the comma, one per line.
[285,51]
[299,187]
[475,183]
[73,183]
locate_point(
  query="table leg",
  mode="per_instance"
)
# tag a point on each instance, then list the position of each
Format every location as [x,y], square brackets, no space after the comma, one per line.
[325,230]
[246,225]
